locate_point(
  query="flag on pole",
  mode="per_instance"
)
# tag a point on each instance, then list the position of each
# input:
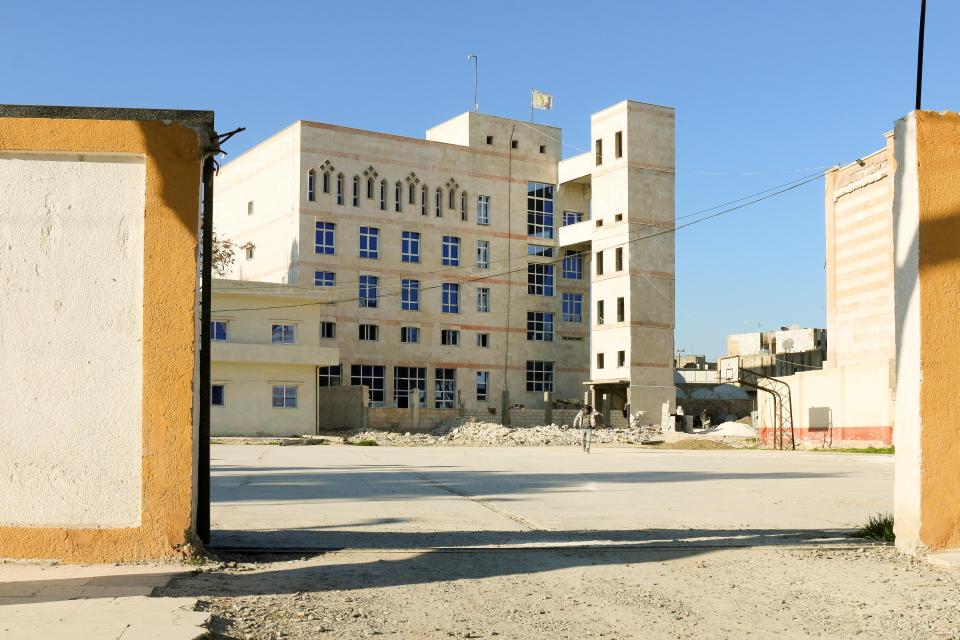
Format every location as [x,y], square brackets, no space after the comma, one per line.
[540,100]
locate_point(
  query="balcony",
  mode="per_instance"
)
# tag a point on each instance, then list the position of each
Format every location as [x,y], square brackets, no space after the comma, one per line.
[576,236]
[225,351]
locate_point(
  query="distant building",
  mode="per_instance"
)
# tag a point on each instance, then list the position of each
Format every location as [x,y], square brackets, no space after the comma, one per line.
[851,400]
[474,263]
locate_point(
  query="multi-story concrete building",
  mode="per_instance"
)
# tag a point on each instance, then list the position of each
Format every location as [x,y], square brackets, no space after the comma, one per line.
[474,262]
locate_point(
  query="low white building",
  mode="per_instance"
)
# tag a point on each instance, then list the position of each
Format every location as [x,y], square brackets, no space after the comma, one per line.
[266,349]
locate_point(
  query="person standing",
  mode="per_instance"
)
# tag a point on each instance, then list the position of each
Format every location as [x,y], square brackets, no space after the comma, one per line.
[586,422]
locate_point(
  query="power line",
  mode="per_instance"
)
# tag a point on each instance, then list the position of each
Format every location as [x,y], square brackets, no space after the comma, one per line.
[551,262]
[341,286]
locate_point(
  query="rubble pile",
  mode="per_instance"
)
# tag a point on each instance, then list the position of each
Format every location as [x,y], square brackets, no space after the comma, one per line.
[470,432]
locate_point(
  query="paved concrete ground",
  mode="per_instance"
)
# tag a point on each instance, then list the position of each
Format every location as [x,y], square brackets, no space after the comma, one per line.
[415,498]
[49,601]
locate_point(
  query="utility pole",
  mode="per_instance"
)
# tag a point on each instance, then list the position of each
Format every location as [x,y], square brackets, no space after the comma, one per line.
[476,77]
[923,16]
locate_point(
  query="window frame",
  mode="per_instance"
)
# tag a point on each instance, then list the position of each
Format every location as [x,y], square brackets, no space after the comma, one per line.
[444,388]
[368,283]
[330,281]
[540,326]
[483,299]
[483,254]
[332,324]
[329,232]
[370,243]
[540,283]
[288,393]
[483,210]
[409,294]
[214,332]
[450,297]
[287,332]
[540,213]
[542,369]
[213,394]
[368,332]
[450,251]
[410,247]
[369,372]
[571,306]
[483,381]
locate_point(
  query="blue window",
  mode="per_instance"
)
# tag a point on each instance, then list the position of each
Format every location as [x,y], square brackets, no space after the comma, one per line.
[572,217]
[539,210]
[368,291]
[451,251]
[539,250]
[450,300]
[572,307]
[217,395]
[409,334]
[218,330]
[573,265]
[410,246]
[285,396]
[410,295]
[540,279]
[283,334]
[324,278]
[369,242]
[324,237]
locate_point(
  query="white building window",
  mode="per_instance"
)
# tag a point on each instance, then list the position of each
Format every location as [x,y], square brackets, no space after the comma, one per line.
[328,330]
[283,333]
[539,326]
[483,299]
[483,384]
[445,388]
[483,340]
[218,330]
[483,209]
[450,337]
[372,377]
[285,396]
[483,254]
[463,206]
[369,332]
[312,185]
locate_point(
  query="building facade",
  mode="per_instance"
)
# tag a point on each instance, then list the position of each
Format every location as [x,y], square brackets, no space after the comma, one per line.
[267,345]
[463,266]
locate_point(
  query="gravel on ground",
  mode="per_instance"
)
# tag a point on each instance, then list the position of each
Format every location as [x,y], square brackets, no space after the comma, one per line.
[663,592]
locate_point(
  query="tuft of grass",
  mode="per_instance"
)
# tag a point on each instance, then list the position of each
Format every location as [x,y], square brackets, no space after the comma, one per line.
[878,527]
[881,450]
[365,443]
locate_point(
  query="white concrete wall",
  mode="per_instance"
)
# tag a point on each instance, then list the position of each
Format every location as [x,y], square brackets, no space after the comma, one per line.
[71,326]
[846,399]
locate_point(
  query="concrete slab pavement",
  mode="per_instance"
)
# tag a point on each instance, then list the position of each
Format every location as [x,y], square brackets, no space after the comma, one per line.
[422,497]
[52,601]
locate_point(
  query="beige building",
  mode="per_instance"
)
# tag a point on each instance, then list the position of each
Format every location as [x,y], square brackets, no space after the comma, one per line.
[264,361]
[474,267]
[851,400]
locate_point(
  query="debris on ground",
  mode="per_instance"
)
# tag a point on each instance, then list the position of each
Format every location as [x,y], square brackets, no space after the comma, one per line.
[470,432]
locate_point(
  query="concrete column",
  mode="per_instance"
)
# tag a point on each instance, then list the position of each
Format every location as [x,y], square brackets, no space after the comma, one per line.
[926,223]
[505,407]
[413,400]
[605,403]
[365,408]
[547,407]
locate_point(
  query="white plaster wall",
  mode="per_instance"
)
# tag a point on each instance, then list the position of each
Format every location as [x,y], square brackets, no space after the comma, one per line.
[907,421]
[71,326]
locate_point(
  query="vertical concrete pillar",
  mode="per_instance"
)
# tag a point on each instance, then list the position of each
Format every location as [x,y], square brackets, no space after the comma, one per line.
[413,401]
[505,407]
[605,411]
[926,221]
[547,407]
[365,408]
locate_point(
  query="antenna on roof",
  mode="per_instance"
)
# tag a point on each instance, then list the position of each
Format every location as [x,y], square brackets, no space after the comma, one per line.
[476,75]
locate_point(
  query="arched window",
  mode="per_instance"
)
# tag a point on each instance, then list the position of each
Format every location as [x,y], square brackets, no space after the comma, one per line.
[463,206]
[312,185]
[452,199]
[339,188]
[356,191]
[370,188]
[423,200]
[326,182]
[437,200]
[397,196]
[383,195]
[412,198]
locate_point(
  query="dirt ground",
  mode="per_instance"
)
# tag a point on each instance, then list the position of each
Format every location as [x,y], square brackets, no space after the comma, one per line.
[645,592]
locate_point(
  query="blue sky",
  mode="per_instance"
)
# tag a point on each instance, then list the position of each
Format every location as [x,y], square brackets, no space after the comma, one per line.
[764,91]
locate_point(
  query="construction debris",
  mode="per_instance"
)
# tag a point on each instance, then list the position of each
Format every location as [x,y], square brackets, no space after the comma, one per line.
[470,432]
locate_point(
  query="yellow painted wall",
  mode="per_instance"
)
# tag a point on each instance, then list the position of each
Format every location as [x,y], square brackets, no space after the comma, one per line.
[172,155]
[938,170]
